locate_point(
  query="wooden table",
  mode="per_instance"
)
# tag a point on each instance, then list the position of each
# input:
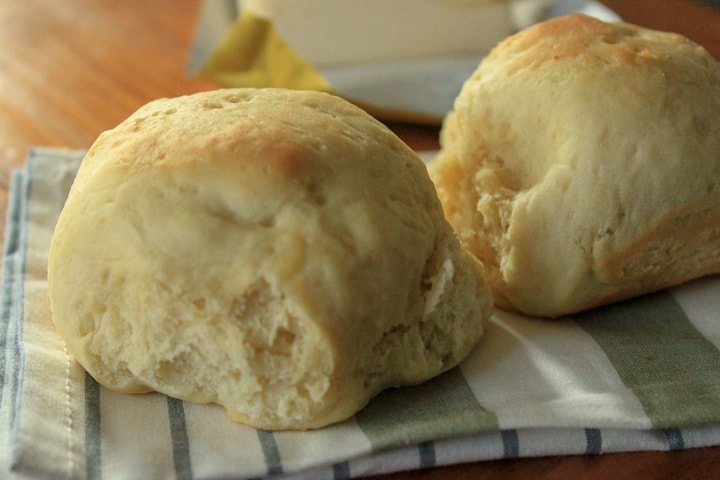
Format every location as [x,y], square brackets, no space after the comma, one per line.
[70,69]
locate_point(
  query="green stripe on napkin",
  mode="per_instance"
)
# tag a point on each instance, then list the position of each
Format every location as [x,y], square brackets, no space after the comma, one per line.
[440,408]
[661,357]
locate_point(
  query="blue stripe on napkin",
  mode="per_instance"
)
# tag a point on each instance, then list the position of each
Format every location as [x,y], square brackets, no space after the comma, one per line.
[179,439]
[93,431]
[270,451]
[10,281]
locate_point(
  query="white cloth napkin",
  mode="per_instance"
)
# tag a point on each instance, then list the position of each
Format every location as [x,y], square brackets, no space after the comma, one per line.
[640,375]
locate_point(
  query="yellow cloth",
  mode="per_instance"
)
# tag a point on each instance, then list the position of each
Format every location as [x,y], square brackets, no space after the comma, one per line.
[252,54]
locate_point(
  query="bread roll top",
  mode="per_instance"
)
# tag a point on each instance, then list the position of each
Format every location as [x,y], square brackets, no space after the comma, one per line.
[581,164]
[278,252]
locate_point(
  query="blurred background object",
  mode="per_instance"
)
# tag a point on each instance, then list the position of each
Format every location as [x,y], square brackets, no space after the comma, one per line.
[400,59]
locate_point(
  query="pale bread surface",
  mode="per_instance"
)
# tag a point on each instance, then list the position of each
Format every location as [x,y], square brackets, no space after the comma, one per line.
[280,253]
[581,165]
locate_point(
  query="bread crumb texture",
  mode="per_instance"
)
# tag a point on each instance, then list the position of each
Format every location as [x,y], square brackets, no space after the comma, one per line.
[581,164]
[277,252]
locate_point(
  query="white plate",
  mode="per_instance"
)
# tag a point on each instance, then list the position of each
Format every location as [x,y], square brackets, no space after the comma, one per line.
[417,87]
[427,87]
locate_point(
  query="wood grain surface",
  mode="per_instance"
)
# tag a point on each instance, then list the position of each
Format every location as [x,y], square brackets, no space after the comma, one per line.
[70,69]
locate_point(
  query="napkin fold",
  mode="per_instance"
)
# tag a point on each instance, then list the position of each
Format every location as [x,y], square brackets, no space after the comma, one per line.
[638,375]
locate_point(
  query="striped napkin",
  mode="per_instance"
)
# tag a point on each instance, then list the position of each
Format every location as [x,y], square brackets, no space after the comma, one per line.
[640,375]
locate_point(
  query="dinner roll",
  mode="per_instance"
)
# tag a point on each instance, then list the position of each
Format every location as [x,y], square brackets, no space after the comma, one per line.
[280,253]
[581,165]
